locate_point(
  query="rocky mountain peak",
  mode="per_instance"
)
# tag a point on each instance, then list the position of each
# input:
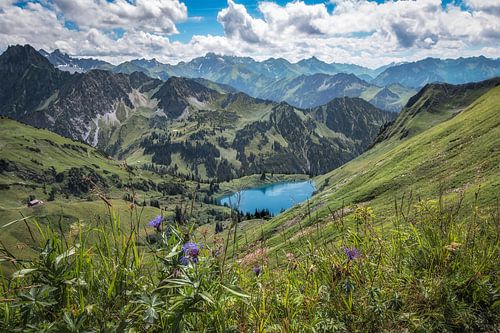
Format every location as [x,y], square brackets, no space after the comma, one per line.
[18,55]
[177,93]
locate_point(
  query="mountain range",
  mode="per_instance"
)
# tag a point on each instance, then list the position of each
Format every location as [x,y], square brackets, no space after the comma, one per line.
[401,232]
[195,126]
[182,124]
[317,89]
[309,82]
[455,71]
[277,79]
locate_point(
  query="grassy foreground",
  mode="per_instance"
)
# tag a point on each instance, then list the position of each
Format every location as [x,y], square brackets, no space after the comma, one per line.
[435,271]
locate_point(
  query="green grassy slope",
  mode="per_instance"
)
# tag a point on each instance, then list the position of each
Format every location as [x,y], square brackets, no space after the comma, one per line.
[453,155]
[434,104]
[35,162]
[457,155]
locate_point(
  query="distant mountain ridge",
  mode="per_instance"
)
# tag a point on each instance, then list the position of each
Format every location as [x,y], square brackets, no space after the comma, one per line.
[258,79]
[65,62]
[317,89]
[388,87]
[410,74]
[453,71]
[307,83]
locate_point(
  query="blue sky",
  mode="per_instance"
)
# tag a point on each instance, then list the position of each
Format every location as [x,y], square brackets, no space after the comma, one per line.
[366,32]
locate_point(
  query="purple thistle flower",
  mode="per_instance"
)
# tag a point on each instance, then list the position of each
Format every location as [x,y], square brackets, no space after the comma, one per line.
[352,253]
[191,249]
[257,270]
[156,222]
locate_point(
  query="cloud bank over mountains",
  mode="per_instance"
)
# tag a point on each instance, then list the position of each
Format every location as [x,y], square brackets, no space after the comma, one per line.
[352,31]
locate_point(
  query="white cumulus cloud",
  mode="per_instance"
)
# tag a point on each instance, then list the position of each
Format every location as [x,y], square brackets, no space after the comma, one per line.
[156,16]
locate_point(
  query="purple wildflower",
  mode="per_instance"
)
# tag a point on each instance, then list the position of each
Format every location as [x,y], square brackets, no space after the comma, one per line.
[191,249]
[156,222]
[352,253]
[257,270]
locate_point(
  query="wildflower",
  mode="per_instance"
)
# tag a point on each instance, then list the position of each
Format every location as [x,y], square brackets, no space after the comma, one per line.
[257,270]
[156,222]
[352,253]
[191,251]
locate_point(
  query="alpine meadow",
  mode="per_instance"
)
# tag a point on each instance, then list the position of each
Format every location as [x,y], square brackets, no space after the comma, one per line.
[249,166]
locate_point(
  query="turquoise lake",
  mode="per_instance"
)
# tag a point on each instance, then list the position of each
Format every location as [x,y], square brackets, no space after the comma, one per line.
[275,197]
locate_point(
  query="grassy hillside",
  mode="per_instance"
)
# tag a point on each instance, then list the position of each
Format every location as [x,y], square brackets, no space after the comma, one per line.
[434,104]
[73,180]
[449,157]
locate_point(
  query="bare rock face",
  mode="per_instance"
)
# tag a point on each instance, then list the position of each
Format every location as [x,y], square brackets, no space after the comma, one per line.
[65,62]
[174,95]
